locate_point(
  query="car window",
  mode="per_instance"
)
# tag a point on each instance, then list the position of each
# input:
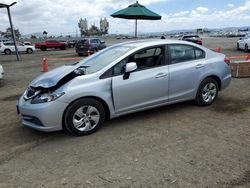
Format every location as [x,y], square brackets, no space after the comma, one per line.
[105,57]
[145,59]
[93,41]
[199,53]
[9,44]
[181,53]
[83,42]
[119,68]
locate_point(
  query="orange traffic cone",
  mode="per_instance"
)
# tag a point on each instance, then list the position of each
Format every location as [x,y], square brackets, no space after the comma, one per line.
[248,57]
[45,65]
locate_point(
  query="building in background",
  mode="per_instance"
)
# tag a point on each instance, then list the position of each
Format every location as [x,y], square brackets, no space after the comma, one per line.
[83,26]
[104,26]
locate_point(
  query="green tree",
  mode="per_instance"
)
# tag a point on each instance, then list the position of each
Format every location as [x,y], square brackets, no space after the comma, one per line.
[94,30]
[45,33]
[7,34]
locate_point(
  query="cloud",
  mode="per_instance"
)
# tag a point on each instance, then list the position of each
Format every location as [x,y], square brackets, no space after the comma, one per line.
[62,16]
[231,5]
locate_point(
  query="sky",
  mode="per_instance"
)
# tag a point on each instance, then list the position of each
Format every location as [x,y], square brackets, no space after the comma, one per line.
[62,16]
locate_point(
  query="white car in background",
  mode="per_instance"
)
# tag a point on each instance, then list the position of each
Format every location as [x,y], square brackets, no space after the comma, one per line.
[244,43]
[9,47]
[1,72]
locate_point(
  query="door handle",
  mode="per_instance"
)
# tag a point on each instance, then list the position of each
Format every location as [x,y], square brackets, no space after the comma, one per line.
[199,66]
[161,75]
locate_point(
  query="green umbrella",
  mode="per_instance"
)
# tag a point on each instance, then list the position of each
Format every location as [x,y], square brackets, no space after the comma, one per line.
[138,12]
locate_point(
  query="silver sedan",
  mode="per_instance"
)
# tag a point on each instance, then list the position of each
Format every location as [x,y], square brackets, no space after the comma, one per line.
[122,79]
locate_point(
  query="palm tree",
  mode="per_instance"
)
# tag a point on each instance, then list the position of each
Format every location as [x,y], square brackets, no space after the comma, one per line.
[45,33]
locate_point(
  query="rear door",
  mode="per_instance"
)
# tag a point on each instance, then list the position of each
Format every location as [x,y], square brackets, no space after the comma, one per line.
[146,87]
[187,64]
[21,47]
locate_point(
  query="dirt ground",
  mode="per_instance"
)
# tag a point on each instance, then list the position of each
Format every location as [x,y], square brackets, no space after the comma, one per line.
[177,146]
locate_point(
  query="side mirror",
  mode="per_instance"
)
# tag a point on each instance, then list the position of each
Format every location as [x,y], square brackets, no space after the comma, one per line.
[130,67]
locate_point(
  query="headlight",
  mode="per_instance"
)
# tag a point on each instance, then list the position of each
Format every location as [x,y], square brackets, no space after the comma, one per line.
[46,97]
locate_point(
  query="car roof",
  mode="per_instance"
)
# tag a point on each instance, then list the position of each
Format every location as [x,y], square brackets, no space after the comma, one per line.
[154,42]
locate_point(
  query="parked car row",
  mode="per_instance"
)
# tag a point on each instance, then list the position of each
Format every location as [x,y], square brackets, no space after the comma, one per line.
[82,47]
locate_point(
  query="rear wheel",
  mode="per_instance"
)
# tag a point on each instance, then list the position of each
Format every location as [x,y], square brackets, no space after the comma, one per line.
[43,48]
[238,46]
[63,48]
[207,92]
[84,117]
[29,51]
[80,54]
[7,51]
[246,48]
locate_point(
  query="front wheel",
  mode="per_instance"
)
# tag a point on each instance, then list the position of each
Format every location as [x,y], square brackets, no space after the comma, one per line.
[246,48]
[238,46]
[7,52]
[207,92]
[63,48]
[84,117]
[29,51]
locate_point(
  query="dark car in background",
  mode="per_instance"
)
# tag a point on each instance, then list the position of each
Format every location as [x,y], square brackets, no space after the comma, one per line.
[89,46]
[192,38]
[71,43]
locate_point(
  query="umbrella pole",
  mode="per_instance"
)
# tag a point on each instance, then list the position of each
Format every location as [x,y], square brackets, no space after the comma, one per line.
[136,28]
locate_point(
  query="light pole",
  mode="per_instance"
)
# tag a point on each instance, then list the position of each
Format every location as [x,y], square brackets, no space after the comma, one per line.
[11,26]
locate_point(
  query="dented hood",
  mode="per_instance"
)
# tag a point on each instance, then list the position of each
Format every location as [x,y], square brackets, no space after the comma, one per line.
[50,79]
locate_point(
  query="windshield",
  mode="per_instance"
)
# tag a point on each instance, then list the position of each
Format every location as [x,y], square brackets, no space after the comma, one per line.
[103,58]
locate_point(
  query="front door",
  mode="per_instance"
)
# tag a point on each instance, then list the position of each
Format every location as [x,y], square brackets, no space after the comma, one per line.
[146,87]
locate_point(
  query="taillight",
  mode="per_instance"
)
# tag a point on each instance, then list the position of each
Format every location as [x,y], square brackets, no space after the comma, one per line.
[227,60]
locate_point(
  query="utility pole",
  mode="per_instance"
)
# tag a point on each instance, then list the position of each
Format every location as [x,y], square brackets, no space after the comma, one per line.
[11,26]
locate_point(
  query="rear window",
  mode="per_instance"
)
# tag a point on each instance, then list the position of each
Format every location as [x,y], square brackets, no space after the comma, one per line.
[181,53]
[8,43]
[83,42]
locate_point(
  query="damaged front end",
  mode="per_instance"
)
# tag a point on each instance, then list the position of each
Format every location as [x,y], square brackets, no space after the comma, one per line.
[44,89]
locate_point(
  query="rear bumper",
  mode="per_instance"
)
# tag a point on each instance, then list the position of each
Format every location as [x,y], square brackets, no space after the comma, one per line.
[226,81]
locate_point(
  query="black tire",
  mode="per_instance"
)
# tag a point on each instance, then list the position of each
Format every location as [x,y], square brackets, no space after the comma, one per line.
[246,48]
[7,51]
[80,54]
[238,46]
[83,105]
[62,48]
[204,89]
[43,48]
[29,51]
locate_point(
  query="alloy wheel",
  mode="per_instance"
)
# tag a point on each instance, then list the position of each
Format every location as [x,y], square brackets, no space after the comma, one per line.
[86,118]
[209,92]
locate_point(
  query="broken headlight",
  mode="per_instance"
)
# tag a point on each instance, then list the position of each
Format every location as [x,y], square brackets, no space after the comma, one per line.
[46,97]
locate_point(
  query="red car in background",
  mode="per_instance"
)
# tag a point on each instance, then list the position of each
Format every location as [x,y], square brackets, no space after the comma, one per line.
[51,44]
